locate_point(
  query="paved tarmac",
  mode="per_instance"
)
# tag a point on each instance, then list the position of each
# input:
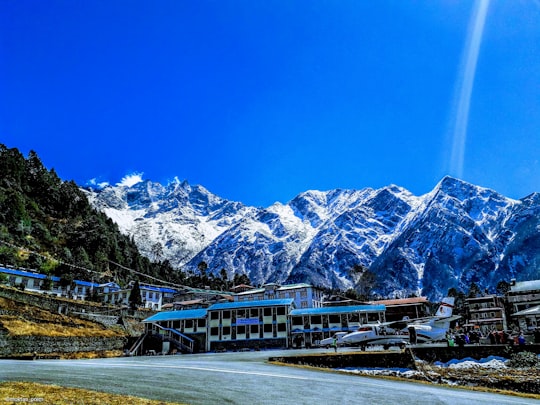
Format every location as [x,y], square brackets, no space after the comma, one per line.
[235,378]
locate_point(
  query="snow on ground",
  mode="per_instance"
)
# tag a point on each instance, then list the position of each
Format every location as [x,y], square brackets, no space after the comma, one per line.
[491,362]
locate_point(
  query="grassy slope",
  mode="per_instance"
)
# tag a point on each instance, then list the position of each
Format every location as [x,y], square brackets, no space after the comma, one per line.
[28,320]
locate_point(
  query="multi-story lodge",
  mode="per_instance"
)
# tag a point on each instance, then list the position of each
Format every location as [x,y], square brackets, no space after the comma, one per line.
[524,296]
[405,308]
[41,283]
[304,295]
[486,313]
[311,325]
[257,324]
[153,296]
[228,325]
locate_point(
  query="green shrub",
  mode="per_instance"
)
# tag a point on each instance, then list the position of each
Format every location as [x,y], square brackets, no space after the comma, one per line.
[523,360]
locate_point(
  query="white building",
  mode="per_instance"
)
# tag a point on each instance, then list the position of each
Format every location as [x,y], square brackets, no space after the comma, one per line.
[304,295]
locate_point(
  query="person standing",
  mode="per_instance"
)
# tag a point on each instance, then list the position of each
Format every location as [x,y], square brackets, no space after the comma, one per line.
[334,343]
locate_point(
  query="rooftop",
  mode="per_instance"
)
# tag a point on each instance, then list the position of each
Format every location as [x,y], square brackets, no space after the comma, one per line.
[339,310]
[177,315]
[402,301]
[251,304]
[522,286]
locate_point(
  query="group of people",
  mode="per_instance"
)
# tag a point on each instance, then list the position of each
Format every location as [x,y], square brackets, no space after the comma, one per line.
[461,338]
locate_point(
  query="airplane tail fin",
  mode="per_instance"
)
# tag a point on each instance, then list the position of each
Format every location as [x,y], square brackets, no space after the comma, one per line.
[446,307]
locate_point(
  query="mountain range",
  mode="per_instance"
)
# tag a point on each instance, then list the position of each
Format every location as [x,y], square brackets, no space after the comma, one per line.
[453,236]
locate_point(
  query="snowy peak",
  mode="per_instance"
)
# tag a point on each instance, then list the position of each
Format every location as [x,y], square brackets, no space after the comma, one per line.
[454,235]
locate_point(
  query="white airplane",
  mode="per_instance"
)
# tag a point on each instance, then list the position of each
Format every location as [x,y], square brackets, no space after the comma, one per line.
[400,333]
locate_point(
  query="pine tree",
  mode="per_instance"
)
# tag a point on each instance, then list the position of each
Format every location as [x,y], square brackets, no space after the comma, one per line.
[135,299]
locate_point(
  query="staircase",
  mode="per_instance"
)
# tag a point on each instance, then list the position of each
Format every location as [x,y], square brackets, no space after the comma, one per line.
[137,344]
[184,342]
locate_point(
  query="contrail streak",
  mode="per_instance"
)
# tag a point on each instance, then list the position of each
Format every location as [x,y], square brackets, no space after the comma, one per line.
[474,39]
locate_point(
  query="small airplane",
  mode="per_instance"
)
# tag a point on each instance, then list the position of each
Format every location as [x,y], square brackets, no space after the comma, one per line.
[401,333]
[330,341]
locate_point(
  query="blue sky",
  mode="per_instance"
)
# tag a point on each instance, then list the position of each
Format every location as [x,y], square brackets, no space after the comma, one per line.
[261,100]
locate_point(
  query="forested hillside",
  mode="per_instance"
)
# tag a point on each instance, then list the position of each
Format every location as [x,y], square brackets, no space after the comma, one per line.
[47,224]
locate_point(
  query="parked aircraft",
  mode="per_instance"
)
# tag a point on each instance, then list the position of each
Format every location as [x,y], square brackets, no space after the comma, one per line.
[329,341]
[400,333]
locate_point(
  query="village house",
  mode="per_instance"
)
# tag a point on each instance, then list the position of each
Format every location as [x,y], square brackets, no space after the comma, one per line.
[43,284]
[486,313]
[405,308]
[524,297]
[304,295]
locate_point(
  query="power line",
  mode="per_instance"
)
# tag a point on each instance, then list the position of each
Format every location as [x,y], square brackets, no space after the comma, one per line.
[101,274]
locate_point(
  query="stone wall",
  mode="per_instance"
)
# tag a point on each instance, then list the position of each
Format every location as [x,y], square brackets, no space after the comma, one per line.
[66,306]
[13,346]
[387,359]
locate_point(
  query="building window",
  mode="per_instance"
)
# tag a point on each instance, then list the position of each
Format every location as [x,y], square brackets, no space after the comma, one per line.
[254,329]
[241,330]
[240,313]
[297,321]
[282,327]
[254,313]
[201,323]
[316,320]
[334,318]
[227,330]
[189,323]
[267,312]
[268,328]
[214,315]
[214,331]
[226,314]
[281,310]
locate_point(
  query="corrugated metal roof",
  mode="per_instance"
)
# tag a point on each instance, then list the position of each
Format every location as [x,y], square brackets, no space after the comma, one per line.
[531,285]
[292,286]
[251,304]
[154,288]
[338,310]
[249,292]
[529,311]
[402,301]
[23,273]
[40,276]
[177,315]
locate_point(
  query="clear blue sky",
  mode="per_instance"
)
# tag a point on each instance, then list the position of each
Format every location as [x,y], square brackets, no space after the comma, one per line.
[261,100]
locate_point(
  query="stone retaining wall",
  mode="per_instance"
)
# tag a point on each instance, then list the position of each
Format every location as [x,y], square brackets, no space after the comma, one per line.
[65,306]
[342,360]
[13,346]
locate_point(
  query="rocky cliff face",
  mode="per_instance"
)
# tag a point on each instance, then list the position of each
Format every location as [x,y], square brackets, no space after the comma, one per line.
[455,235]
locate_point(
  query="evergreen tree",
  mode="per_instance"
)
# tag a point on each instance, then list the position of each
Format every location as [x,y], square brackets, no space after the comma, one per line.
[135,299]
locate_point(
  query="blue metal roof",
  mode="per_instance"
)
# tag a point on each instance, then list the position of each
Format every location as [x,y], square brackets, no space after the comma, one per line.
[40,276]
[22,273]
[154,288]
[177,315]
[338,310]
[251,304]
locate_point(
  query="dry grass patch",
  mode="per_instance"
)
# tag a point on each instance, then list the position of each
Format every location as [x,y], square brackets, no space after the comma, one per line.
[29,320]
[24,392]
[24,327]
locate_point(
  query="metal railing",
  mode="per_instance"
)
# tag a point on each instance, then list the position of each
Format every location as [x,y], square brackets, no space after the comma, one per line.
[182,340]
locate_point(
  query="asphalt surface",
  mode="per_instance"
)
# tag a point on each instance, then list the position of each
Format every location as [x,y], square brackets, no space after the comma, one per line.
[235,378]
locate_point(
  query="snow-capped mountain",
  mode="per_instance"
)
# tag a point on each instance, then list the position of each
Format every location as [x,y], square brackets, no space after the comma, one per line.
[455,235]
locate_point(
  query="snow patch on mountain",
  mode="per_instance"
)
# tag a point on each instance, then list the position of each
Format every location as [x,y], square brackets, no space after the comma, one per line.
[454,235]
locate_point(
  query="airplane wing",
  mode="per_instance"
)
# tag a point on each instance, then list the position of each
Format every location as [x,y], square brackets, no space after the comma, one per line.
[446,319]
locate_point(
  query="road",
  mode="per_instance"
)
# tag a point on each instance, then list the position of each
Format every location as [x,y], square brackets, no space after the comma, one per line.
[235,378]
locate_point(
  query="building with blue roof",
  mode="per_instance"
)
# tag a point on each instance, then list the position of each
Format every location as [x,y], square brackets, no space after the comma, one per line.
[237,325]
[311,325]
[153,296]
[41,283]
[304,295]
